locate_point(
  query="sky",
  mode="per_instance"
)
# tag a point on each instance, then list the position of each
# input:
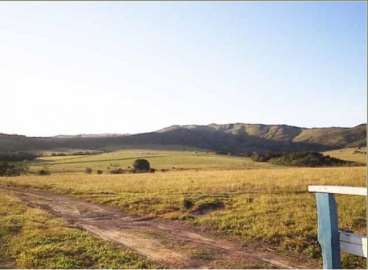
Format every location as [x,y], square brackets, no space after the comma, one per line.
[125,67]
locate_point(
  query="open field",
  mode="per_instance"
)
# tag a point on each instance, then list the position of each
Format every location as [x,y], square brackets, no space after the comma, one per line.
[172,244]
[266,207]
[159,159]
[172,135]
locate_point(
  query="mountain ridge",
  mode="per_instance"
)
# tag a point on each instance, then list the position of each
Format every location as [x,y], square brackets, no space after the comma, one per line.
[236,138]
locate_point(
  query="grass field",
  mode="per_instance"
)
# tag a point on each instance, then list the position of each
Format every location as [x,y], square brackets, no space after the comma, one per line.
[31,238]
[168,160]
[351,154]
[263,205]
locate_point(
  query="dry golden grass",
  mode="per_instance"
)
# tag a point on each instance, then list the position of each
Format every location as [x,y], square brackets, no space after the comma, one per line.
[287,180]
[350,154]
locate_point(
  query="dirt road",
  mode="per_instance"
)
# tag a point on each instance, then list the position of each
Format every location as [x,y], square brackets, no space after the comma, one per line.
[173,244]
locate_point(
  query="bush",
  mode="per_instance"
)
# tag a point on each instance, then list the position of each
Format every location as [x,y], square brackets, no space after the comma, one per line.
[141,165]
[16,156]
[221,153]
[99,171]
[309,159]
[43,172]
[187,203]
[207,205]
[58,154]
[263,157]
[88,170]
[7,169]
[117,171]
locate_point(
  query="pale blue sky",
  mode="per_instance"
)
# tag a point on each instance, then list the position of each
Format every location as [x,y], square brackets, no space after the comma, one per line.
[124,67]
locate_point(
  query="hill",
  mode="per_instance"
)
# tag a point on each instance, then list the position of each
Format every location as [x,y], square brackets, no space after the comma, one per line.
[350,154]
[335,137]
[236,138]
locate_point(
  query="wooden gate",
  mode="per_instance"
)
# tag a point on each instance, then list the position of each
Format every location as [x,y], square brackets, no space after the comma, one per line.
[332,240]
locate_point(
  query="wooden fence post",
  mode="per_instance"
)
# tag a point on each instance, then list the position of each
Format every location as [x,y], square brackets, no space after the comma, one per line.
[328,232]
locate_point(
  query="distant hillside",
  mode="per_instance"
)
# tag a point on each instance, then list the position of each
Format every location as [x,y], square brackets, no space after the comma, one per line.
[335,137]
[237,138]
[280,133]
[284,135]
[103,135]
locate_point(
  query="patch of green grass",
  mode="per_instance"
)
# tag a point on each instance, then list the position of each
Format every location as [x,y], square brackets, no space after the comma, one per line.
[159,159]
[31,238]
[203,254]
[207,205]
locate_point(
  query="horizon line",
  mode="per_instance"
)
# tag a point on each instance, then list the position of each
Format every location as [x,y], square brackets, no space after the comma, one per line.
[117,134]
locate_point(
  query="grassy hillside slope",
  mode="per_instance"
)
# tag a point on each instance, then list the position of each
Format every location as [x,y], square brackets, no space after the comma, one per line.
[350,154]
[334,137]
[235,138]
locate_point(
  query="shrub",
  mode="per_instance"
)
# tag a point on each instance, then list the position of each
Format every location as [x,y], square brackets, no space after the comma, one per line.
[58,154]
[99,171]
[263,157]
[88,170]
[82,153]
[141,165]
[44,172]
[7,169]
[117,171]
[207,205]
[16,156]
[309,159]
[187,203]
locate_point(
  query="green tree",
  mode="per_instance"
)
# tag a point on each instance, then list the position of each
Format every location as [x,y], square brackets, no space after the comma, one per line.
[141,165]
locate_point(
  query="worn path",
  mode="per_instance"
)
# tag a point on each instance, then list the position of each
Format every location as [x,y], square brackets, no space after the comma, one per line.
[173,244]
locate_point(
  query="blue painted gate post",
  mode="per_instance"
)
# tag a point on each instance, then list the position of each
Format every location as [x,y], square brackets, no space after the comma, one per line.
[328,232]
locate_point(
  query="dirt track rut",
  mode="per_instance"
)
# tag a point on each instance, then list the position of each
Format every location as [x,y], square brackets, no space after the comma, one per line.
[173,244]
